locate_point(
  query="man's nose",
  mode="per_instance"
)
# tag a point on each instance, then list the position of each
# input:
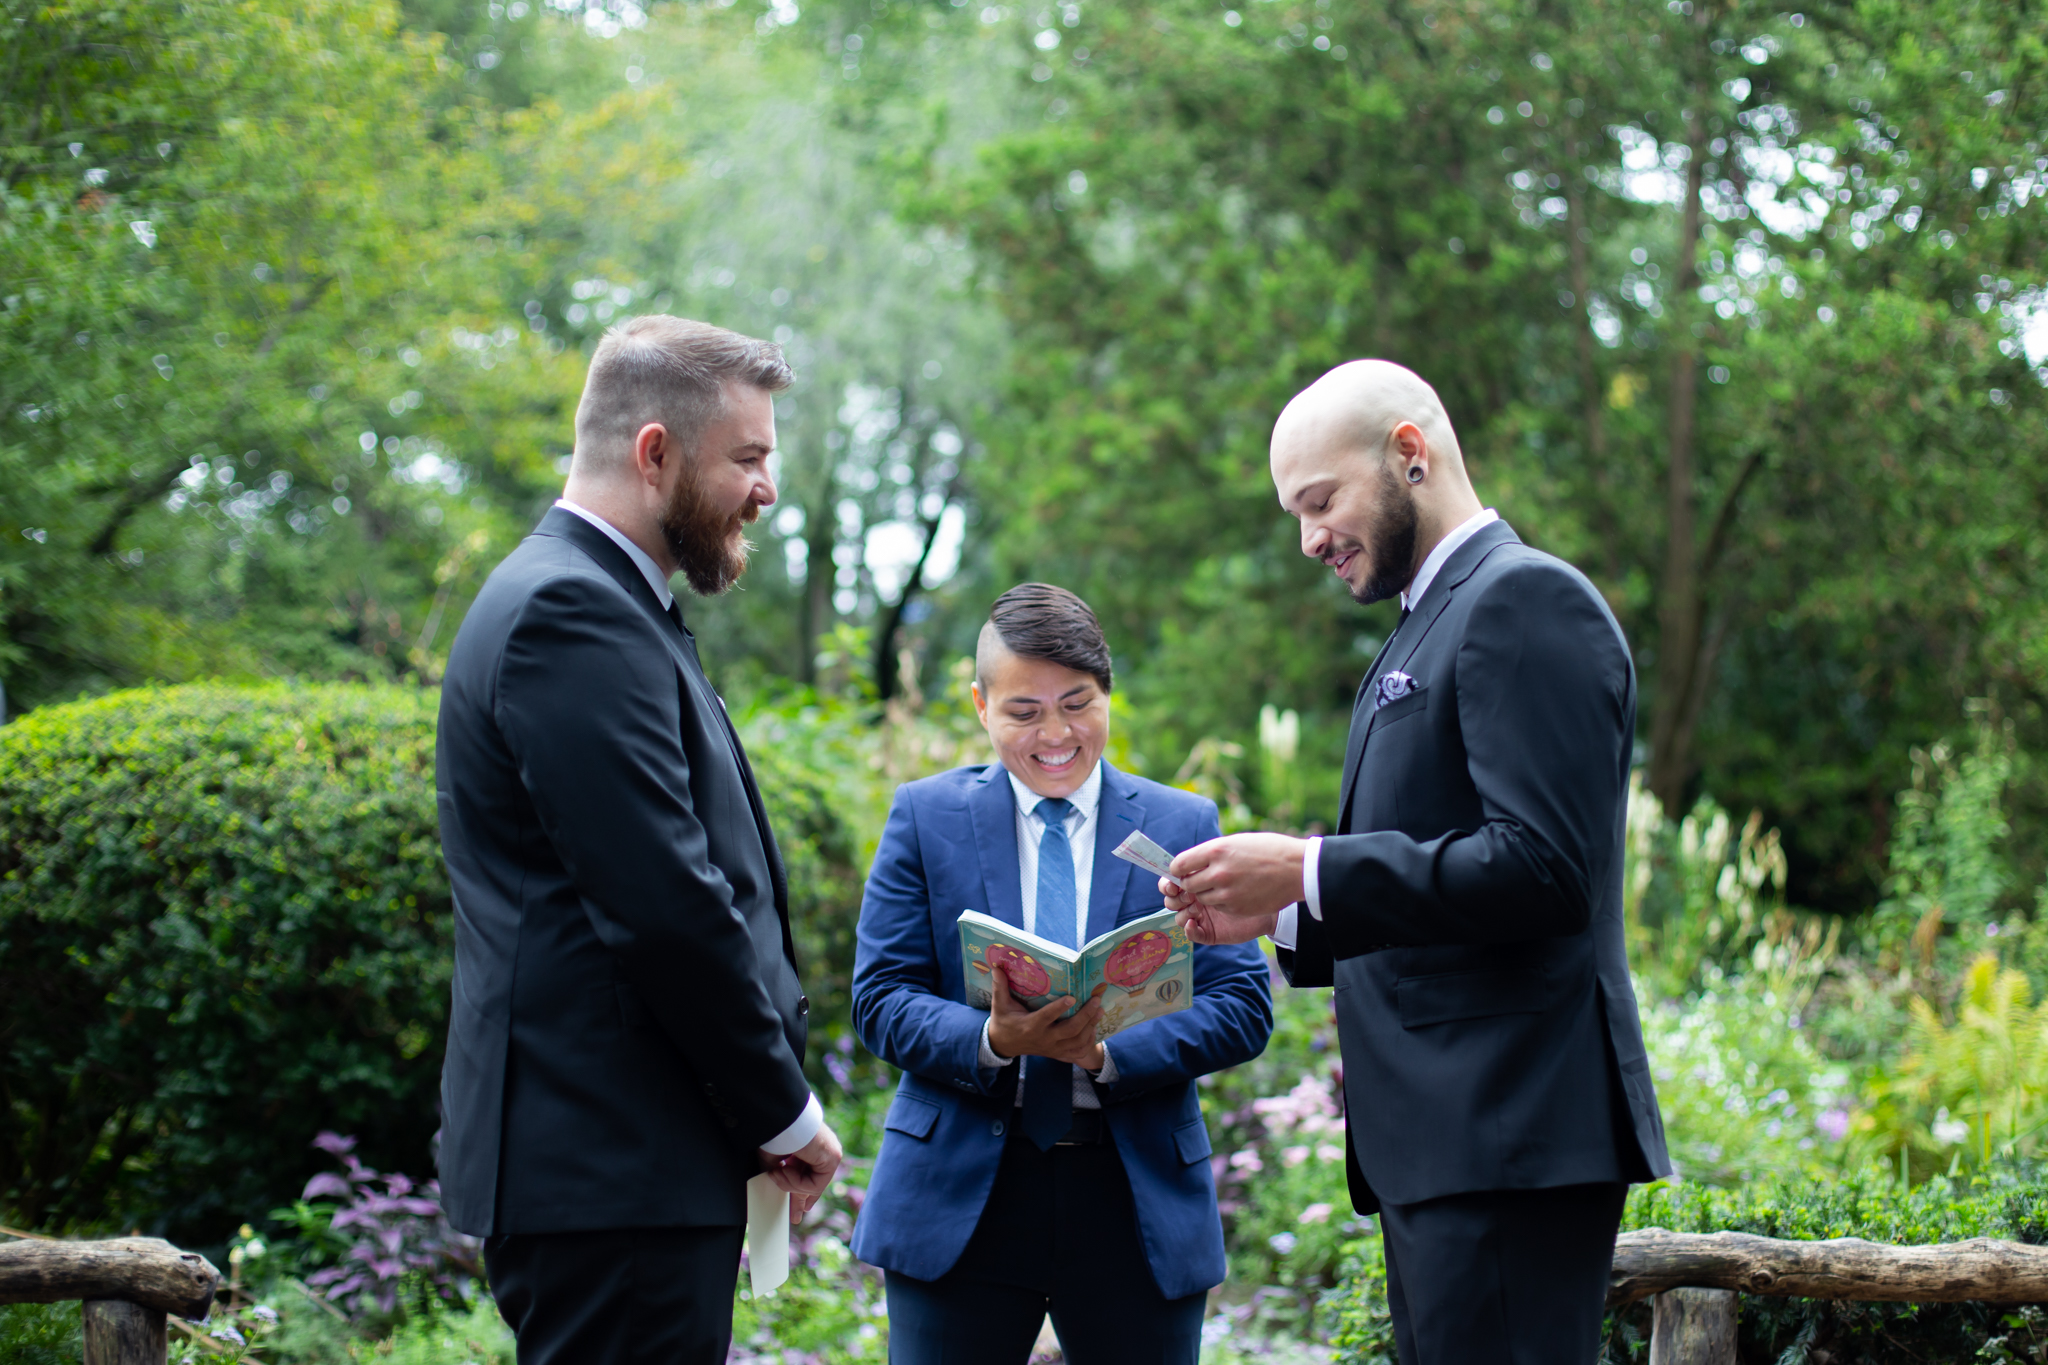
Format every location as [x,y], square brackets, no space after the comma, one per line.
[1314,540]
[764,491]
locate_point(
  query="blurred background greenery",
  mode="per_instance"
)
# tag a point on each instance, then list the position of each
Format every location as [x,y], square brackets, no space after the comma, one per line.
[1739,308]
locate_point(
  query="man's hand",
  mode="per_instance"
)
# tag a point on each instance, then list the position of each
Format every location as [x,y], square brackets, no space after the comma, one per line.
[807,1172]
[1204,925]
[1240,876]
[1014,1030]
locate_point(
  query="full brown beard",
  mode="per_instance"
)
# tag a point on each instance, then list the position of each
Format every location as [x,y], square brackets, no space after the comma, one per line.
[710,547]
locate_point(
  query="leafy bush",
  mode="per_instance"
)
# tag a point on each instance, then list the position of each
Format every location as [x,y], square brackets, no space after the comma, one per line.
[224,921]
[1743,1090]
[400,1234]
[1873,1207]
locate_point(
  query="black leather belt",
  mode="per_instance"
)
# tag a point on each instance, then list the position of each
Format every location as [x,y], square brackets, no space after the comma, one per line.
[1087,1130]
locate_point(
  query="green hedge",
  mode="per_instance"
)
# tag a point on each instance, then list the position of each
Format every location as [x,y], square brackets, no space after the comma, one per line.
[224,926]
[1777,1331]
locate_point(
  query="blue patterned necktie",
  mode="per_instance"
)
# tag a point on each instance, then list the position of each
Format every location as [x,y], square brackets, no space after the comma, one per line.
[1049,1084]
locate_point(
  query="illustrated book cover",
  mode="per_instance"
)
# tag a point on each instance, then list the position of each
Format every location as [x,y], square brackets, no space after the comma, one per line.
[1146,963]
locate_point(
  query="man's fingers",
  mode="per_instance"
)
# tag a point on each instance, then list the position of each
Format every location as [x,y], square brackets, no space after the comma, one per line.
[1195,859]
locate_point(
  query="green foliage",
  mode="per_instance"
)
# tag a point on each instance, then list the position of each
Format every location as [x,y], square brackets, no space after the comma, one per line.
[1970,1091]
[226,925]
[41,1334]
[1210,214]
[1948,876]
[1744,1091]
[258,386]
[1871,1207]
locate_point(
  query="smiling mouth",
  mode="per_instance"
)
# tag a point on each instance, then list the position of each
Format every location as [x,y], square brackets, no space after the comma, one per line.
[1056,763]
[1338,564]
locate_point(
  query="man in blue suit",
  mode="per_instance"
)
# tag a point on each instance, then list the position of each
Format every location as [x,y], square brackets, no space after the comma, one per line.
[1028,1168]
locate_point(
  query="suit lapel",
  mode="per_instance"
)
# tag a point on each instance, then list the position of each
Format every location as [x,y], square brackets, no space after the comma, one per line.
[994,809]
[1464,561]
[683,645]
[1117,813]
[1361,721]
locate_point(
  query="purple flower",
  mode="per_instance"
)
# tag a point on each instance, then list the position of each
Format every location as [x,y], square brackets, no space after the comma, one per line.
[335,1143]
[1833,1124]
[326,1184]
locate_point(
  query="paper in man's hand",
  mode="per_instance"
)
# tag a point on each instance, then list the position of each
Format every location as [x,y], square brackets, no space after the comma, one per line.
[1148,855]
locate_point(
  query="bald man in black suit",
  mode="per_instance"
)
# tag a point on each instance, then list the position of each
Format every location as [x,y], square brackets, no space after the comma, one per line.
[1468,908]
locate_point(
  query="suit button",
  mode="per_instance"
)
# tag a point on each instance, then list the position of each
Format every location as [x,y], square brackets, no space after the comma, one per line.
[803,1007]
[996,1127]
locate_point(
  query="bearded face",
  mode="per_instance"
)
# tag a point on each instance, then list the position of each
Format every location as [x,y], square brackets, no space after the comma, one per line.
[710,544]
[1389,542]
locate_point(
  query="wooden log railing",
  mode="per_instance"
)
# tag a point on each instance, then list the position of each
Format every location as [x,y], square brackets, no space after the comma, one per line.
[128,1286]
[1695,1277]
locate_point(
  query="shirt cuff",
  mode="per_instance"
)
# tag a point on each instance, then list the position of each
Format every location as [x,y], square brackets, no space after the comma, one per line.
[1311,883]
[1285,930]
[991,1060]
[799,1134]
[1106,1076]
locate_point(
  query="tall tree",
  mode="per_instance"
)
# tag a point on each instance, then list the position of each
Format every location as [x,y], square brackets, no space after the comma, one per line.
[1703,285]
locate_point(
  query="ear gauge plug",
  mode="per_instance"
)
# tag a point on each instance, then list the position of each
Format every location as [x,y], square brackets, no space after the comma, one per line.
[1415,473]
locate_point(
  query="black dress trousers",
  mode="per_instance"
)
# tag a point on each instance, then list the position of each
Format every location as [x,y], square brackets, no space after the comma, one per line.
[633,1296]
[1508,1277]
[1059,1235]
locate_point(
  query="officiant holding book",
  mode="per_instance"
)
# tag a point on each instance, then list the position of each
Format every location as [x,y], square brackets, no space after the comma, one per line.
[1035,1161]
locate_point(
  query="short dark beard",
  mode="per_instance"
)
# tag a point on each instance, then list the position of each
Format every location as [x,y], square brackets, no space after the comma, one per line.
[709,547]
[1389,543]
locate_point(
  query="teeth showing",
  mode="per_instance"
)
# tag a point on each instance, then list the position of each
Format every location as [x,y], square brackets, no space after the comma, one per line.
[1056,760]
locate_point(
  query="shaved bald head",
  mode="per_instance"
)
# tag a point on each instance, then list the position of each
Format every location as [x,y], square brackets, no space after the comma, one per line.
[1358,405]
[1367,460]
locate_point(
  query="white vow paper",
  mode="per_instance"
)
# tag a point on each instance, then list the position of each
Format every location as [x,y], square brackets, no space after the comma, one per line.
[767,1235]
[1148,855]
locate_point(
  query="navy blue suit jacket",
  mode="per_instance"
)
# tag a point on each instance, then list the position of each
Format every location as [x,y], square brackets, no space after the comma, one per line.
[951,845]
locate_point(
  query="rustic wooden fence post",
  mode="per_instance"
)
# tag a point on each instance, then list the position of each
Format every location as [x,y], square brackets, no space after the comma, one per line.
[118,1332]
[1693,1327]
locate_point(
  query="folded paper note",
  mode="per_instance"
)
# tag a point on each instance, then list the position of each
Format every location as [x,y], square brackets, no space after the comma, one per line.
[1148,855]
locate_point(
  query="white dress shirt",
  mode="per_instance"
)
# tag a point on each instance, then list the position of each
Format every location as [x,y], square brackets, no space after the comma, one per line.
[1432,564]
[794,1137]
[1080,825]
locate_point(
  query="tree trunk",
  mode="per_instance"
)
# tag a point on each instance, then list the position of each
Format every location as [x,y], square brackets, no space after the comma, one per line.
[1681,600]
[886,676]
[1693,1327]
[145,1270]
[121,1333]
[821,537]
[1980,1270]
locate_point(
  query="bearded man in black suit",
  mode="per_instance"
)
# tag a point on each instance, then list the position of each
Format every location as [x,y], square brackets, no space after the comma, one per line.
[626,1041]
[1468,908]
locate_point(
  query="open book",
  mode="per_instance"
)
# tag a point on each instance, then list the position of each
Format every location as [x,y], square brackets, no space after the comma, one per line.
[1146,963]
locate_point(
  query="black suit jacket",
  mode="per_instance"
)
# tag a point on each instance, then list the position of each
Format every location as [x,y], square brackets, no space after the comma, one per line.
[627,1025]
[1471,898]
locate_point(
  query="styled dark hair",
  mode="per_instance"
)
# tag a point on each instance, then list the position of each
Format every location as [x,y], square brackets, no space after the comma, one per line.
[1040,621]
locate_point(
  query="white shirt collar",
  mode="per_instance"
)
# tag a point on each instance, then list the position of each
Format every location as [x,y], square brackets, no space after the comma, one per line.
[1084,800]
[642,561]
[1433,563]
